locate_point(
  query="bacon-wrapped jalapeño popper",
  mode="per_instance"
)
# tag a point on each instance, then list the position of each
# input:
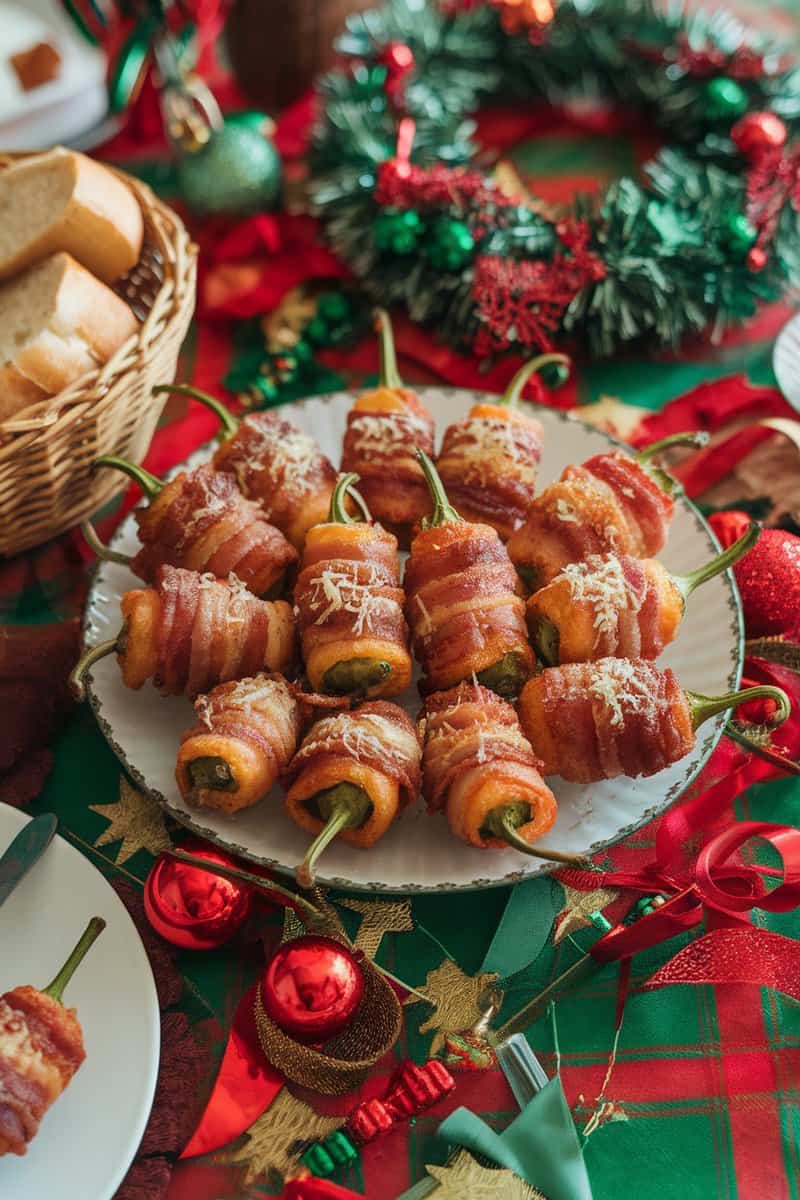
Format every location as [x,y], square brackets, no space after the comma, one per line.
[274,463]
[385,428]
[489,460]
[41,1048]
[616,606]
[619,716]
[478,766]
[201,521]
[190,632]
[615,503]
[246,733]
[349,604]
[462,601]
[351,776]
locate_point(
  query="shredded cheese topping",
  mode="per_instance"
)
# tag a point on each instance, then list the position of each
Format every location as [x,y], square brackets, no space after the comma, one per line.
[282,452]
[481,439]
[257,692]
[618,685]
[600,581]
[364,733]
[336,590]
[380,434]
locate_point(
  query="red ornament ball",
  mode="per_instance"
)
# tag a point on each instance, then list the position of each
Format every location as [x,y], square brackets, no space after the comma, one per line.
[756,258]
[311,987]
[193,908]
[758,133]
[769,584]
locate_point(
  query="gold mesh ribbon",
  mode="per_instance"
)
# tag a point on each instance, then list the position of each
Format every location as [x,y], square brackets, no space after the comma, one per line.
[350,1056]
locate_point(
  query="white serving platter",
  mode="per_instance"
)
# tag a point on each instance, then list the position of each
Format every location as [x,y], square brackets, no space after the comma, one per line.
[419,853]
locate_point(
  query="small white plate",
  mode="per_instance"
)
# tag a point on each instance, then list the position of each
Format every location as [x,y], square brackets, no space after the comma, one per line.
[89,1137]
[418,853]
[786,361]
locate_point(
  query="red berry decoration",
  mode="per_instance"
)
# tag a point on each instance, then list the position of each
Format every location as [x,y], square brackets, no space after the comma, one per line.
[193,908]
[311,988]
[756,259]
[769,583]
[758,133]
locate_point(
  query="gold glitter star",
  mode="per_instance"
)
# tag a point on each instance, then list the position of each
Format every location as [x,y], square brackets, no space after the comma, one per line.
[280,1135]
[379,917]
[577,907]
[463,1177]
[136,820]
[456,997]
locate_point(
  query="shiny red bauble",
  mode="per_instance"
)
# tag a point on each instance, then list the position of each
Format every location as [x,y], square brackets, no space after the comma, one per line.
[756,259]
[311,988]
[758,133]
[193,908]
[768,577]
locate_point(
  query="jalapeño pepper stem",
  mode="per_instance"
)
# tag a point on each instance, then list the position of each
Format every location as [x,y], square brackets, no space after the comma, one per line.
[504,821]
[696,437]
[87,939]
[256,881]
[704,707]
[100,548]
[345,806]
[687,583]
[228,422]
[389,374]
[147,482]
[443,511]
[512,396]
[337,513]
[87,660]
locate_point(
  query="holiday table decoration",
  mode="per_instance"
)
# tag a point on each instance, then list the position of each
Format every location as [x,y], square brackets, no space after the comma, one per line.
[710,235]
[190,907]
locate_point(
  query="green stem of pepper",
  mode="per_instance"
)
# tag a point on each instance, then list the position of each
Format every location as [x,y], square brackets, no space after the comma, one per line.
[345,806]
[211,772]
[147,482]
[512,397]
[103,551]
[88,937]
[337,513]
[443,511]
[254,881]
[546,641]
[228,422]
[686,584]
[389,372]
[704,707]
[77,682]
[504,823]
[696,437]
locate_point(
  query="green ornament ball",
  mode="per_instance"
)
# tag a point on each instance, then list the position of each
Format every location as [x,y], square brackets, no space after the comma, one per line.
[316,331]
[237,171]
[739,234]
[303,352]
[451,244]
[333,306]
[397,231]
[725,98]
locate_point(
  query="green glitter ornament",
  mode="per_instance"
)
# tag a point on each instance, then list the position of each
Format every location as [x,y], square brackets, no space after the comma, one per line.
[450,245]
[737,231]
[396,231]
[725,98]
[236,171]
[333,307]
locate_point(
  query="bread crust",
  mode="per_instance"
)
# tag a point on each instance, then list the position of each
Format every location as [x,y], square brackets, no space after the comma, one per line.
[101,225]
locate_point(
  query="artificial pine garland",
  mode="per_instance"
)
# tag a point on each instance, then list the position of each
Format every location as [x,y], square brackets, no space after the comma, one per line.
[711,232]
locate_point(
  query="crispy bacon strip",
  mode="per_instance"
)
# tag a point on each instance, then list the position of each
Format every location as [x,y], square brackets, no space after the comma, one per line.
[488,465]
[282,469]
[201,521]
[610,504]
[476,760]
[41,1048]
[590,721]
[191,632]
[462,604]
[384,430]
[350,604]
[376,748]
[247,731]
[608,605]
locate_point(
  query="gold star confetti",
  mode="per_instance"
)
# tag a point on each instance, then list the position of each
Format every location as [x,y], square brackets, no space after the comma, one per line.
[377,918]
[463,1177]
[456,997]
[577,907]
[280,1135]
[611,415]
[136,820]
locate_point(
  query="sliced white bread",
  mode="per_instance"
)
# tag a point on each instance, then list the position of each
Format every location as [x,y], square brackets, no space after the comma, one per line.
[56,323]
[64,201]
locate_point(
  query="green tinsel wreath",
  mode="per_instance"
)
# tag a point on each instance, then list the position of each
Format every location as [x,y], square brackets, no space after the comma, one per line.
[711,233]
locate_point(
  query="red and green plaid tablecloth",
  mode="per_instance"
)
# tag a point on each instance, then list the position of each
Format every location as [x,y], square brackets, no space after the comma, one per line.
[703,1098]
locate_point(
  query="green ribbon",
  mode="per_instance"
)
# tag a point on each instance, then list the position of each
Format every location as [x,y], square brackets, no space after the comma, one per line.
[524,926]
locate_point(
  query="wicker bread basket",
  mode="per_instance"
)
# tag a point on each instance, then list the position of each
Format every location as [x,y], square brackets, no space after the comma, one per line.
[47,450]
